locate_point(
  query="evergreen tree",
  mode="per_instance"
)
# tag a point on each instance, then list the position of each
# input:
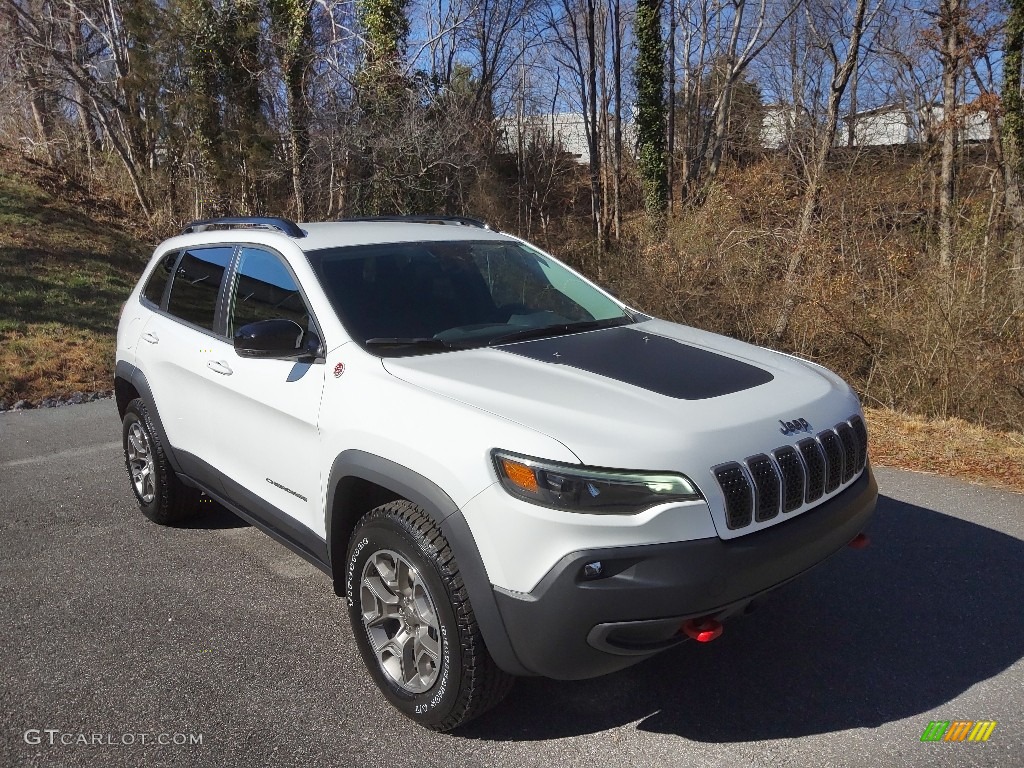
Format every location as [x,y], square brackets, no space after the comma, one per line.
[650,107]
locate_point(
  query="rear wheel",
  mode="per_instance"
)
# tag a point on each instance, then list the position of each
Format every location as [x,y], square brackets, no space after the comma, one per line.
[413,622]
[162,497]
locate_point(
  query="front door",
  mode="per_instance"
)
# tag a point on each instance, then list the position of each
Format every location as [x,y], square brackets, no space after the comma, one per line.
[264,413]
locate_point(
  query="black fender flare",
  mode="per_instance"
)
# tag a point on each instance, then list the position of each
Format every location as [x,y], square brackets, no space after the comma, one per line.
[433,500]
[137,379]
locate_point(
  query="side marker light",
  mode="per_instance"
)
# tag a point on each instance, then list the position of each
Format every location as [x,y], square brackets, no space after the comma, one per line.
[520,474]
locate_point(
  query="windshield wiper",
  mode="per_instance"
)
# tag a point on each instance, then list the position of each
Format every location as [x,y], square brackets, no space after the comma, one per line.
[389,342]
[558,329]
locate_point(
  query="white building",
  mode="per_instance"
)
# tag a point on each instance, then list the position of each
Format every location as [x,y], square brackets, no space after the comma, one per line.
[778,125]
[567,129]
[896,124]
[975,126]
[890,125]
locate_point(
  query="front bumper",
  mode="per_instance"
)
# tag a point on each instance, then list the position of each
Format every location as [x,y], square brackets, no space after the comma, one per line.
[571,628]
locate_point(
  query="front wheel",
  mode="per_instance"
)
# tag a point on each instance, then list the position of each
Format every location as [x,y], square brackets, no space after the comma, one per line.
[413,622]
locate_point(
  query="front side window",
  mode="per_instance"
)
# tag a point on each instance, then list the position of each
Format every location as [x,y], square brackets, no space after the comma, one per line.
[265,290]
[197,283]
[400,298]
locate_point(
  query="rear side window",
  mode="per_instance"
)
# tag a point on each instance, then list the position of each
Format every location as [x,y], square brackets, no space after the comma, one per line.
[197,283]
[265,290]
[154,290]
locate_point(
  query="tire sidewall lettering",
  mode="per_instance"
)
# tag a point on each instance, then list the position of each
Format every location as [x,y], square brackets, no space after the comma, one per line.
[442,684]
[446,686]
[350,573]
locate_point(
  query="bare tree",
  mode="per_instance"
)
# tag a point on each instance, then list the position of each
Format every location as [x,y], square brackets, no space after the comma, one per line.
[24,49]
[109,89]
[574,28]
[849,27]
[492,27]
[293,32]
[720,40]
[1011,140]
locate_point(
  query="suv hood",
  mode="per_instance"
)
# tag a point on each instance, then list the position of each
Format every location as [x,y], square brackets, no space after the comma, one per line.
[654,395]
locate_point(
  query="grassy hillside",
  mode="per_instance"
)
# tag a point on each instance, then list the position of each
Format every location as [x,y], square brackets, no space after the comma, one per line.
[67,262]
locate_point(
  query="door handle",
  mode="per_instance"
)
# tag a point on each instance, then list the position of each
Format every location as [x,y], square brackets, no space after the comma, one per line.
[219,366]
[152,338]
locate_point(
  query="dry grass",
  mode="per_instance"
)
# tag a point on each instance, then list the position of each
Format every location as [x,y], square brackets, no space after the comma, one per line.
[950,447]
[67,263]
[44,360]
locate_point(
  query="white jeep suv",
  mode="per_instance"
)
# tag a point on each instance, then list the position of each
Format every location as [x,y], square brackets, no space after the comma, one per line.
[504,469]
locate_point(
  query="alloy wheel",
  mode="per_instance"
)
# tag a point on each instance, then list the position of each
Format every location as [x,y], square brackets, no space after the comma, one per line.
[401,621]
[140,463]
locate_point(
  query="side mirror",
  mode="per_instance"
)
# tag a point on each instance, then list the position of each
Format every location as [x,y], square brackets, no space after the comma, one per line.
[277,339]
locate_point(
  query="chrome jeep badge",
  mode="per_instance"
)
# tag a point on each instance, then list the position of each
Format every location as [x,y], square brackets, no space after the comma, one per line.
[792,427]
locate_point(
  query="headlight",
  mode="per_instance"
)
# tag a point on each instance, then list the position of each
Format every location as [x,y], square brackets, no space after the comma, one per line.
[575,488]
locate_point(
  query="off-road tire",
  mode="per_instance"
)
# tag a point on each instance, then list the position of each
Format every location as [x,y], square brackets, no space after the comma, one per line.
[468,682]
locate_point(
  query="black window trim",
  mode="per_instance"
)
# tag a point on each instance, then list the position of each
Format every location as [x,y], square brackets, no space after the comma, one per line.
[162,309]
[227,287]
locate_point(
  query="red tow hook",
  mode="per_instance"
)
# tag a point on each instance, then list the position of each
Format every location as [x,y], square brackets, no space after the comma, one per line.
[860,541]
[703,630]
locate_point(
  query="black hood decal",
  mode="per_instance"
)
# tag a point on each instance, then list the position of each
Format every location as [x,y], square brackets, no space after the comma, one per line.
[655,363]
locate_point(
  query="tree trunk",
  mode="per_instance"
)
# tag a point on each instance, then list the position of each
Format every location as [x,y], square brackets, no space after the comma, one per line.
[617,117]
[1012,142]
[949,19]
[298,130]
[851,125]
[593,134]
[86,124]
[42,118]
[671,137]
[721,128]
[292,27]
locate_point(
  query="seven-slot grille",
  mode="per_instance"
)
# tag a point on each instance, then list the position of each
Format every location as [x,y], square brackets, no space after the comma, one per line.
[764,485]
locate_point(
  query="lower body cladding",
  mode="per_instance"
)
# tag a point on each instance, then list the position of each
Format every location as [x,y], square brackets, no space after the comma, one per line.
[578,623]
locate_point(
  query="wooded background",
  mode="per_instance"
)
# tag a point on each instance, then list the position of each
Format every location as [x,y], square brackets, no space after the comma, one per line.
[899,265]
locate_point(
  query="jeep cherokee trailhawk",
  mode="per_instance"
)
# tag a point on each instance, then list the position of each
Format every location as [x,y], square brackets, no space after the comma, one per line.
[504,469]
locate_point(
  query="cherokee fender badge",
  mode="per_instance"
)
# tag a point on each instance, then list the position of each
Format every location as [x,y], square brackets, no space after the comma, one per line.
[287,489]
[792,427]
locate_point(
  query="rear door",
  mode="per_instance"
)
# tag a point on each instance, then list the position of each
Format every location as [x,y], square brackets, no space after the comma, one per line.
[135,316]
[175,351]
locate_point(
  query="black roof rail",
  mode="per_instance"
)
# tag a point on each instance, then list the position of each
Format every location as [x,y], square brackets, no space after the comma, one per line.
[287,226]
[462,221]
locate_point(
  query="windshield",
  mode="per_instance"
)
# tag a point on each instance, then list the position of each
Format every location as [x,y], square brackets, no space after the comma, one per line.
[409,298]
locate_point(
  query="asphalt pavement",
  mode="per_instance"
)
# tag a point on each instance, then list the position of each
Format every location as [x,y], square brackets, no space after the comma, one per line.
[125,643]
